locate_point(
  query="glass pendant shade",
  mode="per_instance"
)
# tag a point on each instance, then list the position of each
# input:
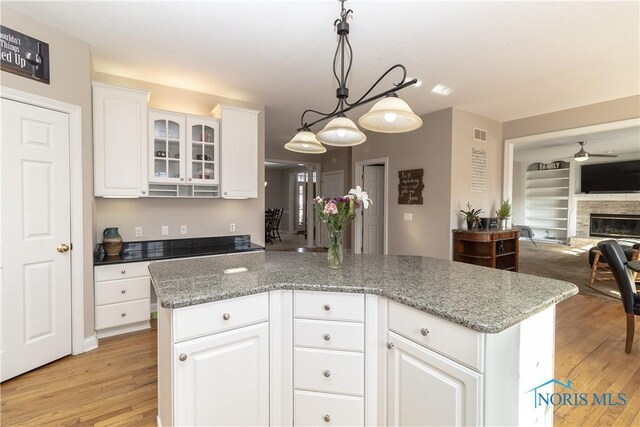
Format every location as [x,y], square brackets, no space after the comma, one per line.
[305,142]
[581,158]
[341,132]
[390,115]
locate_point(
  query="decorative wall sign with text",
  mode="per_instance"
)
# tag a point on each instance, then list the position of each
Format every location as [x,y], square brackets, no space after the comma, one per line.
[410,187]
[478,170]
[24,55]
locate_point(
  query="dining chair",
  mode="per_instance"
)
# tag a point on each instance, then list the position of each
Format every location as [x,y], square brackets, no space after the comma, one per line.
[616,259]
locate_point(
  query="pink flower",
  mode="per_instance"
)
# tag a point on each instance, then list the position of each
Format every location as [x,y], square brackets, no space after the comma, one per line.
[330,209]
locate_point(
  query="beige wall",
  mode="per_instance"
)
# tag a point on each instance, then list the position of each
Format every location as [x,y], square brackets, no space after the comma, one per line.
[429,148]
[70,62]
[461,145]
[603,112]
[202,217]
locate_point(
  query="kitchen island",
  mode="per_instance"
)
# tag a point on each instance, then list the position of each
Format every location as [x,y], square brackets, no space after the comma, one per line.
[278,338]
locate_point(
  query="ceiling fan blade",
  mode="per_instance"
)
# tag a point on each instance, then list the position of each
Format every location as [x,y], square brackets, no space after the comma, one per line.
[603,155]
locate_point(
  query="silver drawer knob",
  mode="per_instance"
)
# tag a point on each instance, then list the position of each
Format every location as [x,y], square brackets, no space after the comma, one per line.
[123,271]
[327,337]
[424,332]
[226,316]
[182,357]
[390,345]
[326,373]
[327,307]
[189,179]
[123,314]
[144,192]
[124,291]
[327,418]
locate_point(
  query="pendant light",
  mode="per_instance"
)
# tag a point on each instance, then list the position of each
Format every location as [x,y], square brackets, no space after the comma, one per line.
[389,115]
[305,142]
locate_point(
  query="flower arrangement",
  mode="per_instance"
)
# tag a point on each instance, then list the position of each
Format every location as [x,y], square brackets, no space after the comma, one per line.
[337,213]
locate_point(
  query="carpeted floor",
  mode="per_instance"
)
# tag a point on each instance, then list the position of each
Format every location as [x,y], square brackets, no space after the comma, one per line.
[563,263]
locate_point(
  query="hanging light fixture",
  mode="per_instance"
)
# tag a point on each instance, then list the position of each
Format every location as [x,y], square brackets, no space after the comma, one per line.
[389,115]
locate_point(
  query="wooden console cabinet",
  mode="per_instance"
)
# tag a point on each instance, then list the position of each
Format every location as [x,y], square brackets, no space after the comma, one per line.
[488,248]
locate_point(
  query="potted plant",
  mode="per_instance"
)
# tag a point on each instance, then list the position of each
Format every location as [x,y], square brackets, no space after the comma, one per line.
[504,213]
[472,216]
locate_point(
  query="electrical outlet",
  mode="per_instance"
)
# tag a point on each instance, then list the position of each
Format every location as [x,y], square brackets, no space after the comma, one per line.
[165,230]
[183,229]
[138,231]
[232,226]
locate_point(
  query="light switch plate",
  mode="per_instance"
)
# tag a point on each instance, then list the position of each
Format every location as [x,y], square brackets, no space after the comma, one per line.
[183,229]
[138,231]
[408,216]
[165,230]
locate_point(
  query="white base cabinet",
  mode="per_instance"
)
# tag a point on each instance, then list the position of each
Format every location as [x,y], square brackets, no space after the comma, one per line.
[322,358]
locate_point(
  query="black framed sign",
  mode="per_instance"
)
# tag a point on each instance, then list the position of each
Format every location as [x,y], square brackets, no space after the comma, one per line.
[24,55]
[410,187]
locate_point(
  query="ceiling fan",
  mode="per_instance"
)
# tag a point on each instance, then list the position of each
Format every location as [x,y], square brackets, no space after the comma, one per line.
[583,156]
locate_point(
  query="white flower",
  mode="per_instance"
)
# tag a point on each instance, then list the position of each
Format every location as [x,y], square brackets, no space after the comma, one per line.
[361,196]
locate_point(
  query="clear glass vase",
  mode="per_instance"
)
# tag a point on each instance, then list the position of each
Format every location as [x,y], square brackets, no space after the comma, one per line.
[335,255]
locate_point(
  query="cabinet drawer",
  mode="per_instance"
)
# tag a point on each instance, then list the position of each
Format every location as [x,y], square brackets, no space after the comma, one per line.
[315,409]
[121,271]
[124,313]
[329,306]
[329,371]
[203,319]
[115,291]
[455,341]
[329,335]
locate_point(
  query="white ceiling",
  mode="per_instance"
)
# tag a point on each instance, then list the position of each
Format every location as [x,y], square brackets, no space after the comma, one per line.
[503,60]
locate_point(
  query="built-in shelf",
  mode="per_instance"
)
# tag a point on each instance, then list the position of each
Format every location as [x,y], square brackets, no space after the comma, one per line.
[547,201]
[544,227]
[548,197]
[547,218]
[542,171]
[547,188]
[554,178]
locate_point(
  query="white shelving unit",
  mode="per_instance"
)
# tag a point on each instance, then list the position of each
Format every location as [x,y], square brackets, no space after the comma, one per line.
[547,203]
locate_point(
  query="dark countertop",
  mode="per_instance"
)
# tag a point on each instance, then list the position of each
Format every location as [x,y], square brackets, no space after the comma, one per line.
[154,250]
[480,298]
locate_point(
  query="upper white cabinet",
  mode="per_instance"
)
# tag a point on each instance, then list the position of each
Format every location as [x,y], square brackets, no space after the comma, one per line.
[239,152]
[183,149]
[119,141]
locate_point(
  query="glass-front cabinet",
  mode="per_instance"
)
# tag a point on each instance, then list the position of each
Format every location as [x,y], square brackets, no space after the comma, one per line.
[183,149]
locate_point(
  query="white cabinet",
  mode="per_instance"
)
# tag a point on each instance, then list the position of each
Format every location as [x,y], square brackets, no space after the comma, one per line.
[223,379]
[183,149]
[239,152]
[122,298]
[427,389]
[119,141]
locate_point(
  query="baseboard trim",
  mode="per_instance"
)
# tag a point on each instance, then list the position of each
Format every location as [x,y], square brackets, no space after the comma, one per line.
[104,333]
[91,343]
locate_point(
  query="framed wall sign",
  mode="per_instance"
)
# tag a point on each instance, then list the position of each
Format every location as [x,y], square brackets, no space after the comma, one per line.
[24,55]
[410,187]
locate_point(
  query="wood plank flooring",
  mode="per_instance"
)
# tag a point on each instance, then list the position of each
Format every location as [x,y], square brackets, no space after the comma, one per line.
[116,384]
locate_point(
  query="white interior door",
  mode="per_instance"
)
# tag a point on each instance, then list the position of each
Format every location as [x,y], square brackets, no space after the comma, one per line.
[373,217]
[300,197]
[332,186]
[36,277]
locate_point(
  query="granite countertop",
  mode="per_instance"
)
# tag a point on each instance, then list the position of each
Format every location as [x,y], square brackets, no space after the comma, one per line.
[176,248]
[480,298]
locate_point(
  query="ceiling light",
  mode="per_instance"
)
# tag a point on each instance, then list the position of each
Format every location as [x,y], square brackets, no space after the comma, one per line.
[581,157]
[441,90]
[389,115]
[305,142]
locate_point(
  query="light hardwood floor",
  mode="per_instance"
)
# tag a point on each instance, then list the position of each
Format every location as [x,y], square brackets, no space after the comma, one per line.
[116,384]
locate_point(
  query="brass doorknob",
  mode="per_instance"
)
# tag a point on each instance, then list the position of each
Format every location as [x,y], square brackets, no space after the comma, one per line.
[63,247]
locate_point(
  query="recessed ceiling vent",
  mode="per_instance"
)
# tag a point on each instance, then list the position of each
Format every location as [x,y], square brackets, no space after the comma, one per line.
[479,135]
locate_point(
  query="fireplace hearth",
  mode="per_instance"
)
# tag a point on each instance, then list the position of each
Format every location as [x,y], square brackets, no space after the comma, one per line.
[614,225]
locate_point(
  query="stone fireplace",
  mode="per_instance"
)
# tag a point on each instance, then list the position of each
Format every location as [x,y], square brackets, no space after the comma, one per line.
[587,208]
[614,225]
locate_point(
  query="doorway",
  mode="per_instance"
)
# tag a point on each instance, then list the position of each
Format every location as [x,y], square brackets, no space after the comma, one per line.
[371,227]
[42,307]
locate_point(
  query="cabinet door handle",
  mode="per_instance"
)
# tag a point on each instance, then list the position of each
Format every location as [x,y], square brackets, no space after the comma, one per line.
[124,291]
[327,373]
[424,332]
[390,345]
[327,337]
[226,316]
[182,357]
[123,314]
[327,307]
[327,418]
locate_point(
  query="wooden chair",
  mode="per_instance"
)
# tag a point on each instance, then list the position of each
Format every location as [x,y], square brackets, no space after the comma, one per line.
[600,270]
[617,260]
[269,215]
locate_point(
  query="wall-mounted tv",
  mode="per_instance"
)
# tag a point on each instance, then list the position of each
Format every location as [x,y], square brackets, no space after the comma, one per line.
[616,177]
